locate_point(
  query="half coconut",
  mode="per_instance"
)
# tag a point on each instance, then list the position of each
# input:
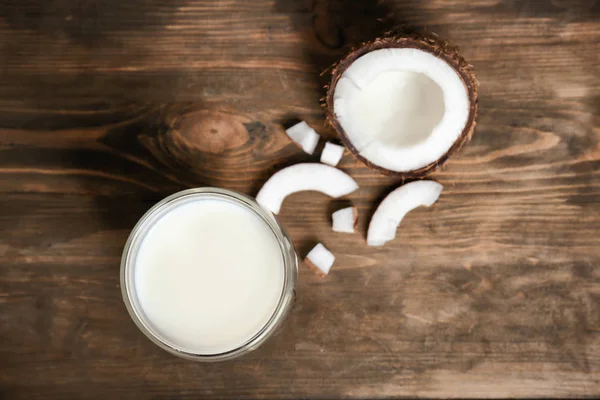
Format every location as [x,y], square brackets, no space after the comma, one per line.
[403,104]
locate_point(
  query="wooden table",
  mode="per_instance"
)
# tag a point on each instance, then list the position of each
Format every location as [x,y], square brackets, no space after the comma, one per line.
[108,106]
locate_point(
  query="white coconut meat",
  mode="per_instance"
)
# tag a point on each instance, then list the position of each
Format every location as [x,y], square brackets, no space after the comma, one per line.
[302,177]
[402,109]
[320,258]
[332,154]
[344,220]
[396,205]
[304,136]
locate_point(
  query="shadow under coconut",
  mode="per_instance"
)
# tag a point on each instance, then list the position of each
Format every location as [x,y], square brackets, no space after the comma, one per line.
[331,28]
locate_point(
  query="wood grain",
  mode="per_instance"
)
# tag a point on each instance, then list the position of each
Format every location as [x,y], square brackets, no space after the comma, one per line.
[109,106]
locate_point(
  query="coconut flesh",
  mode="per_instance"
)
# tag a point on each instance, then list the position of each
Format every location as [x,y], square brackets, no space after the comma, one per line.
[396,205]
[401,109]
[320,259]
[332,154]
[302,177]
[304,136]
[344,220]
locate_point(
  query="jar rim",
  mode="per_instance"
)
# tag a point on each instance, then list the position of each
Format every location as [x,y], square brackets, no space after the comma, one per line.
[145,223]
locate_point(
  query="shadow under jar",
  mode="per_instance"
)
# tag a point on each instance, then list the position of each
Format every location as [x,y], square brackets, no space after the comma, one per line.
[208,275]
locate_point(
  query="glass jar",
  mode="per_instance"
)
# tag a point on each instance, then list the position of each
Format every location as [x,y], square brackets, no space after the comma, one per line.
[128,288]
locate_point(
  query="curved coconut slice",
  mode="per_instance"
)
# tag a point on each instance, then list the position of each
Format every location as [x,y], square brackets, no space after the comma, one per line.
[332,154]
[304,136]
[403,105]
[320,259]
[301,177]
[344,220]
[396,205]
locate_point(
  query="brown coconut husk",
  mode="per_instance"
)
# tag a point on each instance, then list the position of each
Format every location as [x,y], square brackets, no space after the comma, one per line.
[355,216]
[314,268]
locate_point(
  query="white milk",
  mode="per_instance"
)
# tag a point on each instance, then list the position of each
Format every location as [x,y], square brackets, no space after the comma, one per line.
[209,275]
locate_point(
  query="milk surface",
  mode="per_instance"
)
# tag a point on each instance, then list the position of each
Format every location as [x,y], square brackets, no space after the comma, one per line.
[209,275]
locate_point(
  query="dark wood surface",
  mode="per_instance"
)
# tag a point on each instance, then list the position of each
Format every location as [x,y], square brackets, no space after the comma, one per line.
[108,106]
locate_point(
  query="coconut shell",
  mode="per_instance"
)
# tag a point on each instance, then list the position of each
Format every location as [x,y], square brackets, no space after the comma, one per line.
[433,45]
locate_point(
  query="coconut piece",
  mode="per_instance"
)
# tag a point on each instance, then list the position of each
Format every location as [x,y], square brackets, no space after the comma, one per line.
[344,220]
[403,104]
[302,177]
[304,136]
[396,205]
[332,154]
[320,259]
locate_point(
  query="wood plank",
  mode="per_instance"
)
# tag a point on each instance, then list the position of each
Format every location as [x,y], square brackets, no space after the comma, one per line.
[107,107]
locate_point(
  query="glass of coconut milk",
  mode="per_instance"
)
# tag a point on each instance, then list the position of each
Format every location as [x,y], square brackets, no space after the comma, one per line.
[207,274]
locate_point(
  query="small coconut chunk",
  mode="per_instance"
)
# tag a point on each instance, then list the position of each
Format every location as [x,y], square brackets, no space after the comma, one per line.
[396,205]
[344,220]
[304,136]
[302,177]
[332,154]
[320,259]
